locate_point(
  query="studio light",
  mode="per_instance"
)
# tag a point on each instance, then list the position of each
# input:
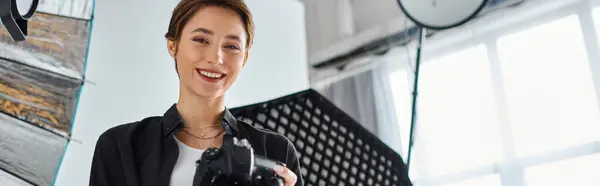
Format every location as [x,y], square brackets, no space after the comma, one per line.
[441,14]
[437,15]
[14,15]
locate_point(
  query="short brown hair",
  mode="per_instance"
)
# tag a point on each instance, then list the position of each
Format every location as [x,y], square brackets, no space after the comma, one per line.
[187,8]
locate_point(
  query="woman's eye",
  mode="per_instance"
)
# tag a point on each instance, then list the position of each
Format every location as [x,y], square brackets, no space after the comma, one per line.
[233,47]
[201,40]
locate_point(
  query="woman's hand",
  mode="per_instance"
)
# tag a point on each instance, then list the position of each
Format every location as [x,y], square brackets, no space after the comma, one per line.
[288,176]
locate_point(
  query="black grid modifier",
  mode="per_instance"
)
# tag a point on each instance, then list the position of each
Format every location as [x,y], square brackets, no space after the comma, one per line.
[333,148]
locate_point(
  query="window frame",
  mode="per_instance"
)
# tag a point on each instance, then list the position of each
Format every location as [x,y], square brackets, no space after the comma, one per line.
[512,169]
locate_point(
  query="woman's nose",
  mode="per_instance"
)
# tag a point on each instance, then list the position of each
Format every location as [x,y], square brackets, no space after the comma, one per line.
[215,56]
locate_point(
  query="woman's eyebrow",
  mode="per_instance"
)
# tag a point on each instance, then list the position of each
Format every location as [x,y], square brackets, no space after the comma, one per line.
[210,32]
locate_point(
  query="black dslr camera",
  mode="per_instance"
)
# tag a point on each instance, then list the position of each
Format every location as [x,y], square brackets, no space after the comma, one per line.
[235,164]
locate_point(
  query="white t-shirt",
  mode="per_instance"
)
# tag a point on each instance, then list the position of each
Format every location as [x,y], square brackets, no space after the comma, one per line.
[185,168]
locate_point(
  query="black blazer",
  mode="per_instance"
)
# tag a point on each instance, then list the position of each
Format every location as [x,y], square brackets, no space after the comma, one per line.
[144,153]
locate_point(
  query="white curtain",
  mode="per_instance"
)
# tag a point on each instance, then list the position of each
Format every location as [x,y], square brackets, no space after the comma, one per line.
[388,124]
[354,96]
[368,98]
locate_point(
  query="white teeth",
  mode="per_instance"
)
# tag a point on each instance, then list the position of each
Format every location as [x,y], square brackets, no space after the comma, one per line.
[211,74]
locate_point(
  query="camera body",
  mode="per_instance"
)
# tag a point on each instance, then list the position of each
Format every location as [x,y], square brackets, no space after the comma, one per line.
[235,164]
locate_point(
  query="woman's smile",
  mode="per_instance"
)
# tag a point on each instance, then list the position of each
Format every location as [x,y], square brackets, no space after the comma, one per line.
[210,76]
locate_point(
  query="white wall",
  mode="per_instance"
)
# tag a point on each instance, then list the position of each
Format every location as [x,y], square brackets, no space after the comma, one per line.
[328,28]
[135,78]
[277,63]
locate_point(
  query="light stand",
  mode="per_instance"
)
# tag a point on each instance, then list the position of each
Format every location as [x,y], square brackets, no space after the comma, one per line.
[438,15]
[413,118]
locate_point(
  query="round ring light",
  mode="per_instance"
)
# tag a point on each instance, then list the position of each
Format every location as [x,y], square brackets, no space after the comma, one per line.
[14,15]
[441,14]
[24,8]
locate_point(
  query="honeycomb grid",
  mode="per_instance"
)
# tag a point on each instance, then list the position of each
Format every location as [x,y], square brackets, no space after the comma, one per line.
[333,148]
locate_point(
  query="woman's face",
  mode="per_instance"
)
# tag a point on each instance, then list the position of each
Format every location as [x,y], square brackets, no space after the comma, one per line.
[211,52]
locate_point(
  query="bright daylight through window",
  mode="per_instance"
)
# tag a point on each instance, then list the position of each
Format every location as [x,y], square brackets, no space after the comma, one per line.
[531,91]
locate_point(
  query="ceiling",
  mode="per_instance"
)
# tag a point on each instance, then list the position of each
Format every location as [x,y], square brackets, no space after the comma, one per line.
[336,27]
[340,32]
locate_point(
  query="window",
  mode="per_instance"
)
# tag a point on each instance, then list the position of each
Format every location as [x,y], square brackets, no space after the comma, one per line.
[457,114]
[549,87]
[457,123]
[490,180]
[402,89]
[596,17]
[582,170]
[537,85]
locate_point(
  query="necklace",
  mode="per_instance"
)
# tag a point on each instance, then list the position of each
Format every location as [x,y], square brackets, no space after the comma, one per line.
[203,135]
[202,128]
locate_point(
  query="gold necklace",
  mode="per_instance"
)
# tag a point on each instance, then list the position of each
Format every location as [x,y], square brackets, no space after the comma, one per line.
[203,135]
[188,128]
[202,128]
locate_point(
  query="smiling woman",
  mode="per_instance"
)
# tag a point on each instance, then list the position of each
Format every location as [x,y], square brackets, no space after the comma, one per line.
[192,46]
[209,41]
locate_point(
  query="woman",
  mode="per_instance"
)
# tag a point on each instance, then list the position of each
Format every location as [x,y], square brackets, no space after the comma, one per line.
[209,41]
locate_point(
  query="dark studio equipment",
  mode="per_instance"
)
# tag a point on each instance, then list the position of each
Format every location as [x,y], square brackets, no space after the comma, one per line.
[333,148]
[235,164]
[435,15]
[14,15]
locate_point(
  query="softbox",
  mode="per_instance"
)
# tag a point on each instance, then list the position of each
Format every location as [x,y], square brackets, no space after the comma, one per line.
[333,148]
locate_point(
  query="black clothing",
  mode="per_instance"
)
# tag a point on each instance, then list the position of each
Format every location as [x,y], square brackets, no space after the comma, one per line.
[144,153]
